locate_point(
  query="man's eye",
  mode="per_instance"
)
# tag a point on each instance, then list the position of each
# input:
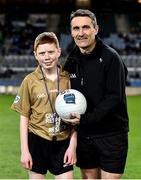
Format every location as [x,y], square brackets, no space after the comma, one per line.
[86,27]
[76,28]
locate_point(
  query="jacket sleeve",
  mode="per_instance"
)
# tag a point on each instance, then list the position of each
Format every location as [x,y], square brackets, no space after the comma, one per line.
[114,92]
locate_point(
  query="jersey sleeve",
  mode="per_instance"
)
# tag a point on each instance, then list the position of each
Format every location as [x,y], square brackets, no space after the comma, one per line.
[22,102]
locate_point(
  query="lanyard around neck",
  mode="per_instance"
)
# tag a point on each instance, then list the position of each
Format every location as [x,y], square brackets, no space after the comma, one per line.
[47,92]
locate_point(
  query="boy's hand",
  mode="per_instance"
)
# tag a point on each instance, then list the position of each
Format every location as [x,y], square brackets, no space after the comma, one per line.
[26,160]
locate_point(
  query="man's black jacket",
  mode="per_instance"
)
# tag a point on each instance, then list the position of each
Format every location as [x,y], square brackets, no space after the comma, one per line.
[101,77]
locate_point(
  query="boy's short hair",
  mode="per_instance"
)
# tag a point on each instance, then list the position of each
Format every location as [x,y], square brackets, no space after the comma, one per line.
[46,37]
[83,13]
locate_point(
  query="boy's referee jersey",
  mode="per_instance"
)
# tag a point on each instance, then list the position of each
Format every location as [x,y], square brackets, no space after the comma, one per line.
[32,102]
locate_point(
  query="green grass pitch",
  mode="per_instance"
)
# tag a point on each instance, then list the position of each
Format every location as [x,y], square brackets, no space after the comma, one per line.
[10,167]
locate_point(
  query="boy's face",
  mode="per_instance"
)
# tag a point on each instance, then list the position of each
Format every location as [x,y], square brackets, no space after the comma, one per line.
[47,55]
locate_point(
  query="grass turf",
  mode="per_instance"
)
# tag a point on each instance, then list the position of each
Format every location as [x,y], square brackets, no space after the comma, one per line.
[10,167]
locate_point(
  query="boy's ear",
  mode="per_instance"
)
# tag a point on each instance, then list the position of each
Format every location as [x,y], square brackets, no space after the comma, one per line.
[34,52]
[59,51]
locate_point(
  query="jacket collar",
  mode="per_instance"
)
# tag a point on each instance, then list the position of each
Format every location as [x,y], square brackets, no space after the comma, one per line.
[96,52]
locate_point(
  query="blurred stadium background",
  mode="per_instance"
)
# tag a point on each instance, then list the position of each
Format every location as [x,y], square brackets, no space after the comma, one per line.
[22,20]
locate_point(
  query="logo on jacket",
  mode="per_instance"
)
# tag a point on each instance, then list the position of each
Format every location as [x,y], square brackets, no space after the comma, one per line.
[101,60]
[72,76]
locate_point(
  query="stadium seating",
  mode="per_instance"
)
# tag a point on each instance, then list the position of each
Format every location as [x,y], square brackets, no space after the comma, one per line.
[16,45]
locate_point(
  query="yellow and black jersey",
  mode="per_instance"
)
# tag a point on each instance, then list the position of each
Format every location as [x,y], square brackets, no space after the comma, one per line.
[32,102]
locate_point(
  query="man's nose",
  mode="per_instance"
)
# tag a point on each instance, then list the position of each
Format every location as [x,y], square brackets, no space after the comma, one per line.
[81,32]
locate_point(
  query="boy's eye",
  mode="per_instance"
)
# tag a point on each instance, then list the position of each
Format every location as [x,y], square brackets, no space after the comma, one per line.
[51,52]
[42,53]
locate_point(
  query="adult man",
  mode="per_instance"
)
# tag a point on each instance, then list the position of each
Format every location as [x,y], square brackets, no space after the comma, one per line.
[98,72]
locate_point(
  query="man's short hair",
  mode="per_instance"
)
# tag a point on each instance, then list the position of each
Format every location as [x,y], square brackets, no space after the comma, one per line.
[82,13]
[46,37]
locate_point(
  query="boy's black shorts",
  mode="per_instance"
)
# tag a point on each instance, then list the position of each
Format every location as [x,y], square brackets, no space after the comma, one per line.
[107,153]
[48,155]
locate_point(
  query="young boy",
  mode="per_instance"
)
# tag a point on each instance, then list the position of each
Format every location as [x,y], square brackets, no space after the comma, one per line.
[47,143]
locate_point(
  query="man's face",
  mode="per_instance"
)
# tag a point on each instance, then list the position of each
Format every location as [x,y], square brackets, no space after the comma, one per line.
[47,55]
[83,31]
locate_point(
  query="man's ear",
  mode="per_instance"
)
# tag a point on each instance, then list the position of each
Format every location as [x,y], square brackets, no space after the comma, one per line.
[96,29]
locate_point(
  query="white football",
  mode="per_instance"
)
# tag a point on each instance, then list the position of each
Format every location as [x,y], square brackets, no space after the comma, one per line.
[70,101]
